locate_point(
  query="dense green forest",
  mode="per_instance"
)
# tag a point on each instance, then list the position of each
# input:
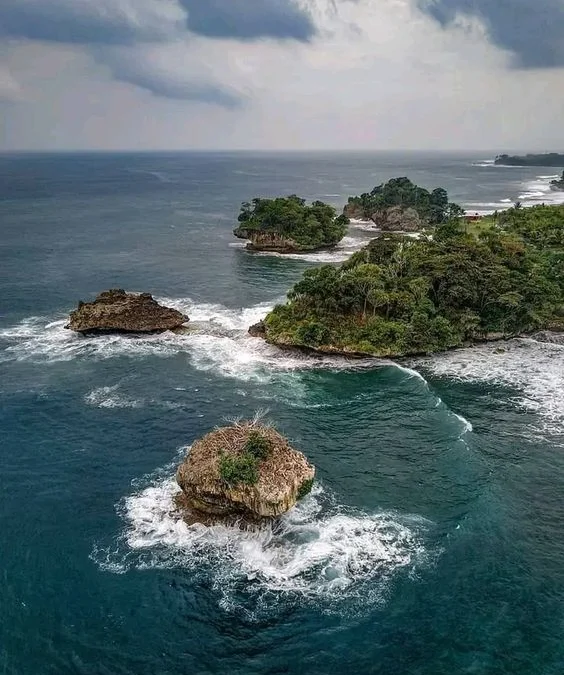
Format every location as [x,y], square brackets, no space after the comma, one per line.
[312,226]
[433,207]
[400,296]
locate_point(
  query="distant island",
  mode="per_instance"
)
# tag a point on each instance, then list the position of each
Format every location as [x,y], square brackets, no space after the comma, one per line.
[558,184]
[289,225]
[546,159]
[401,206]
[399,296]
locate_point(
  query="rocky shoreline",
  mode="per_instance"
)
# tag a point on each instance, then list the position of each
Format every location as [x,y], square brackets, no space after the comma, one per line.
[259,330]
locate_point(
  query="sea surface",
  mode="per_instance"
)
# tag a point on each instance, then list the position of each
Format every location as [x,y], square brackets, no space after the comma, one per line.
[433,542]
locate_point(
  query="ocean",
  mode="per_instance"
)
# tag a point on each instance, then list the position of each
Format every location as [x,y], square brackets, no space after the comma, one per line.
[433,541]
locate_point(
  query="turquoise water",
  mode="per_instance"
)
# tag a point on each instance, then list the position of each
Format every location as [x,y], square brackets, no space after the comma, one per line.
[433,542]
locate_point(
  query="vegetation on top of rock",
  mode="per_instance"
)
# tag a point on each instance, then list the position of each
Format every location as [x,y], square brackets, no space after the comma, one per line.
[236,469]
[543,159]
[432,207]
[246,469]
[257,445]
[290,220]
[400,296]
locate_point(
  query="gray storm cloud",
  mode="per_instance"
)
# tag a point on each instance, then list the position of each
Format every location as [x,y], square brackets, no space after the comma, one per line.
[101,25]
[249,19]
[127,21]
[86,22]
[533,30]
[134,68]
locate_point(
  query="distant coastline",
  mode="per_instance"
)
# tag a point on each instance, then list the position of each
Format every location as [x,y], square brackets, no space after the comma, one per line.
[543,159]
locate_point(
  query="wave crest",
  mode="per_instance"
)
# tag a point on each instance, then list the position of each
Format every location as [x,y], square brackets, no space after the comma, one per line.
[318,550]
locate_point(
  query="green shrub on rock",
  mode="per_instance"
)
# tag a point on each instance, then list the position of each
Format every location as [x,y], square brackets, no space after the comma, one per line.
[237,469]
[257,445]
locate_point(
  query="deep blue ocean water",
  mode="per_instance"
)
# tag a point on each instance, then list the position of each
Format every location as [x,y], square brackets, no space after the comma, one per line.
[433,543]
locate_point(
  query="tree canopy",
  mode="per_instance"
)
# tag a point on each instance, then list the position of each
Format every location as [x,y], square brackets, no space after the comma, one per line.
[400,296]
[434,207]
[310,226]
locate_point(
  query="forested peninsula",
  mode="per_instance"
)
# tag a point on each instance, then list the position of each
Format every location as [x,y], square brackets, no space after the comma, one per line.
[400,205]
[399,296]
[546,159]
[289,225]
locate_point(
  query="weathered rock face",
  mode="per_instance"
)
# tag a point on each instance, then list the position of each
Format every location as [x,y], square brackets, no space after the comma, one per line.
[354,211]
[397,219]
[283,476]
[258,329]
[260,240]
[116,311]
[393,219]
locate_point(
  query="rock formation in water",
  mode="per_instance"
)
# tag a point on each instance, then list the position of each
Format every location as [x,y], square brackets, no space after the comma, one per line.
[558,184]
[289,225]
[116,311]
[401,206]
[246,470]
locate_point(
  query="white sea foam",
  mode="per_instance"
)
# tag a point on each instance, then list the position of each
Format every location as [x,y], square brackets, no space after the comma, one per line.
[534,369]
[411,373]
[113,397]
[217,341]
[319,549]
[343,251]
[530,193]
[110,397]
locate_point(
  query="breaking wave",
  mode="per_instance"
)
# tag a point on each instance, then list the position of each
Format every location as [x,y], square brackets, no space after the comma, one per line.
[531,367]
[217,341]
[319,550]
[529,193]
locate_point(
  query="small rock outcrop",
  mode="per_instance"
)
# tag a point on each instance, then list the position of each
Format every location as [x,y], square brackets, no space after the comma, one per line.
[558,184]
[246,471]
[258,329]
[116,311]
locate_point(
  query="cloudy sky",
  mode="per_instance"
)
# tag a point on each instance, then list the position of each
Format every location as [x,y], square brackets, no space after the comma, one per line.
[282,74]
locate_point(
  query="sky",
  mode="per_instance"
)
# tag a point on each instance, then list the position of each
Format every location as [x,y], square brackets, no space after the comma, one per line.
[281,74]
